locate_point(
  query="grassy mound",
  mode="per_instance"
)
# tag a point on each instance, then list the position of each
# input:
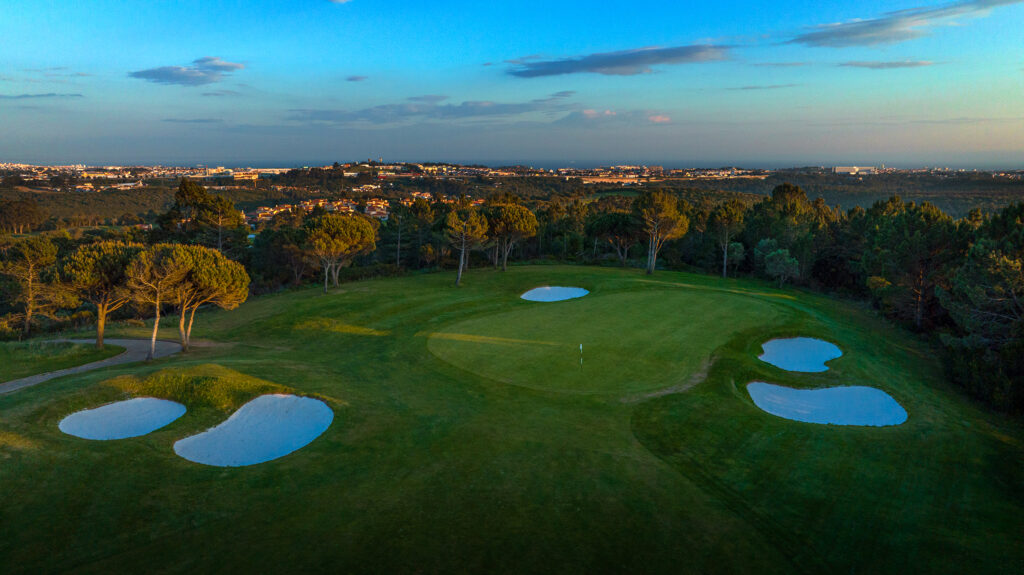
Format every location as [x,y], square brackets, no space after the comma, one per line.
[22,359]
[200,386]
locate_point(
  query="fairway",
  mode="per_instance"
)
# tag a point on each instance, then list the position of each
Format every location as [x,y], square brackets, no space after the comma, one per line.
[467,438]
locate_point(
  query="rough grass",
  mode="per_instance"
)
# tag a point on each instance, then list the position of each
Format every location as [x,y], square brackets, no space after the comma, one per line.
[22,359]
[438,463]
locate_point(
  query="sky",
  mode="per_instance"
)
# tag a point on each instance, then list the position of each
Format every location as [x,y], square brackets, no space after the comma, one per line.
[304,82]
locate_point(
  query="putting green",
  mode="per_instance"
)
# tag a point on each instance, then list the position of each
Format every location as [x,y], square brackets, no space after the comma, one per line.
[634,341]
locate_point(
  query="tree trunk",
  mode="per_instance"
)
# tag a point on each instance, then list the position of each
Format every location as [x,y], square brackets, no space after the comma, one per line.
[188,330]
[398,249]
[504,257]
[181,328]
[101,323]
[650,256]
[462,259]
[327,271]
[30,301]
[156,326]
[725,259]
[335,269]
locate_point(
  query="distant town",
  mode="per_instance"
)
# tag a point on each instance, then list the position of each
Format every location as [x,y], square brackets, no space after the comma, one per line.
[374,187]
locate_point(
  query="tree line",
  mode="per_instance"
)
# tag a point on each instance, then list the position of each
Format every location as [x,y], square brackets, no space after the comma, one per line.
[958,281]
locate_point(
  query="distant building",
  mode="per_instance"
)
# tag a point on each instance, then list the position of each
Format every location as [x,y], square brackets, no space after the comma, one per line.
[854,170]
[245,175]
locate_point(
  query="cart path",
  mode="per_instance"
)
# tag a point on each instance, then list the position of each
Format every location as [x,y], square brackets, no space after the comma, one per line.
[135,350]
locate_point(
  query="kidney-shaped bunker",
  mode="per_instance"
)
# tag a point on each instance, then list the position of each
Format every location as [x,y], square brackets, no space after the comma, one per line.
[123,419]
[853,405]
[554,293]
[804,354]
[266,428]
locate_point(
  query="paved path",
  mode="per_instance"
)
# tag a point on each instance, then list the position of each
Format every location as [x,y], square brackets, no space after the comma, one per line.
[135,350]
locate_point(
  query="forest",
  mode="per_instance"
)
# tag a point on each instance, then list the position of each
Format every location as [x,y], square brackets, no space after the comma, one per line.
[956,281]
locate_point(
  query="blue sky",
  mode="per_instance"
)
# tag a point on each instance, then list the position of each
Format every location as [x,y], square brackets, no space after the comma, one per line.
[275,82]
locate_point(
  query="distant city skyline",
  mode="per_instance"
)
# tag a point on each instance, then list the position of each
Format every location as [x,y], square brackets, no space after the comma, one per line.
[266,83]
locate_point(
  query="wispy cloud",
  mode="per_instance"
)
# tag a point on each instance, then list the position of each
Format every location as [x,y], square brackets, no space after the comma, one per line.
[592,118]
[222,93]
[782,64]
[193,120]
[429,107]
[429,98]
[765,87]
[623,63]
[357,78]
[895,27]
[875,65]
[38,96]
[203,71]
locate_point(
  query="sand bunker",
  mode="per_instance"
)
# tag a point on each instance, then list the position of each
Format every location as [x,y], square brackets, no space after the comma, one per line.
[799,354]
[123,419]
[854,405]
[266,428]
[554,293]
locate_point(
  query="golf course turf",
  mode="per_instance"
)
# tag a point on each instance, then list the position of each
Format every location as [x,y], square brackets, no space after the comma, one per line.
[467,438]
[22,359]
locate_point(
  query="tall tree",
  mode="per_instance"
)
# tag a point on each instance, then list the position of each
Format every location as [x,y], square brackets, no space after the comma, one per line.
[211,279]
[465,231]
[725,221]
[152,278]
[423,219]
[662,221]
[219,216]
[986,301]
[509,224]
[621,230]
[98,274]
[398,221]
[335,240]
[20,216]
[27,263]
[781,266]
[910,250]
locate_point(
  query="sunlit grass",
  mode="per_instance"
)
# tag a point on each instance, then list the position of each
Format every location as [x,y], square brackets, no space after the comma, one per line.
[22,359]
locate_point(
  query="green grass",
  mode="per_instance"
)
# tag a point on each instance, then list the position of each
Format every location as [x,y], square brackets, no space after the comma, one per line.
[462,443]
[22,359]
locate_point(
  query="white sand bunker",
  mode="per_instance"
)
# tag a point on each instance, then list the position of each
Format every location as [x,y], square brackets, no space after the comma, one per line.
[123,419]
[554,293]
[266,428]
[854,405]
[799,354]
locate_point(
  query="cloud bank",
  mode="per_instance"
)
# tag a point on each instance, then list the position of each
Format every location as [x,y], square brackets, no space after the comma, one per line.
[429,107]
[38,96]
[622,63]
[895,27]
[875,65]
[203,71]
